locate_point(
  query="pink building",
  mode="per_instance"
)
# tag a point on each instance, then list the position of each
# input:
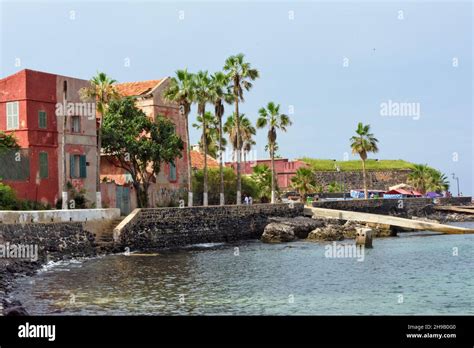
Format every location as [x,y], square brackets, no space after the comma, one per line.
[284,168]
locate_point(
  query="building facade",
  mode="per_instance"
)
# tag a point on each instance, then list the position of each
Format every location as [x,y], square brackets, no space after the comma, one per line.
[33,107]
[170,184]
[284,168]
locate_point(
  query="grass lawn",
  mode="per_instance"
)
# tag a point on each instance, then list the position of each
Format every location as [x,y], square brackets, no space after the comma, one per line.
[329,165]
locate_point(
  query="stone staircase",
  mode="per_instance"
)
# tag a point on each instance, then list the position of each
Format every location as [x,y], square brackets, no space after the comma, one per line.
[104,232]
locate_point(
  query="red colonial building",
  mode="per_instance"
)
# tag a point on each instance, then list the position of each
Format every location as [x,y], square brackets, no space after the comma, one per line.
[32,108]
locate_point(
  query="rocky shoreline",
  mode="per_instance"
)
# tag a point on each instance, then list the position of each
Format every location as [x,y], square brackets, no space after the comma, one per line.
[277,230]
[281,230]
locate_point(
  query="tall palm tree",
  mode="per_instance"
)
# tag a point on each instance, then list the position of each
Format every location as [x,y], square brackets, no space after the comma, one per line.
[425,179]
[272,118]
[102,91]
[219,94]
[361,144]
[304,182]
[247,131]
[240,76]
[212,135]
[180,91]
[202,95]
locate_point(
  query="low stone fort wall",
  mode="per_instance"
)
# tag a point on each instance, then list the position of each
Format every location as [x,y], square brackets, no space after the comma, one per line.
[410,206]
[175,227]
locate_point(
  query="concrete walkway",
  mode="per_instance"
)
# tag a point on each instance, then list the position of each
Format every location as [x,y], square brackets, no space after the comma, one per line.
[384,219]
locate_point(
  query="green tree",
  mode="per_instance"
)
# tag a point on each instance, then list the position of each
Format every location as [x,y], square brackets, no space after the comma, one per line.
[272,118]
[202,95]
[212,135]
[138,145]
[247,131]
[262,175]
[7,142]
[101,90]
[249,187]
[219,95]
[180,91]
[304,182]
[361,144]
[240,74]
[425,179]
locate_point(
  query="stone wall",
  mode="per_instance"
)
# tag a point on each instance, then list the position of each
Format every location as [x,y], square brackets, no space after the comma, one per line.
[399,207]
[58,240]
[454,200]
[175,227]
[376,180]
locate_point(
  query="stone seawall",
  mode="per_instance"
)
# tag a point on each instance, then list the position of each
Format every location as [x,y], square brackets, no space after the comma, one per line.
[33,244]
[398,207]
[175,227]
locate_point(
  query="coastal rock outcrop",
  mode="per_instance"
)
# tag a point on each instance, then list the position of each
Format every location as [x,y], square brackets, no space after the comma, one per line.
[288,229]
[276,232]
[327,233]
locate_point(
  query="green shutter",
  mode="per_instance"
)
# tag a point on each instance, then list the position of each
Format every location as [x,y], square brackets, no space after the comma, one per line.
[43,165]
[71,166]
[82,166]
[42,119]
[172,171]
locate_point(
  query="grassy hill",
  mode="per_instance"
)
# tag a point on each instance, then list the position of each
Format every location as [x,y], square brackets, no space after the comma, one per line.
[329,165]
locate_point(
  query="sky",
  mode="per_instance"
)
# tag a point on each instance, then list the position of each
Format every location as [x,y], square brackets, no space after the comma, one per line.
[329,65]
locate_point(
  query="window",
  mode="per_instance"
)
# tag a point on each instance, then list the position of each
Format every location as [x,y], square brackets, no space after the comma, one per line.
[12,115]
[77,166]
[75,124]
[42,119]
[43,165]
[172,176]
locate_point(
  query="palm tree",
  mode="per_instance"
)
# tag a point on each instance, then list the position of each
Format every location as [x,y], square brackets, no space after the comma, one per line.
[219,93]
[212,135]
[240,75]
[363,143]
[263,177]
[247,130]
[425,179]
[202,95]
[102,91]
[180,91]
[303,182]
[272,118]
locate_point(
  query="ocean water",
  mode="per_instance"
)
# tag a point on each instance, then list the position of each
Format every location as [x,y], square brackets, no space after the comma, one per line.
[415,273]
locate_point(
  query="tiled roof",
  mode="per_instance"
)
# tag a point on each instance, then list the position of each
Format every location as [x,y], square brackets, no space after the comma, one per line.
[129,89]
[197,160]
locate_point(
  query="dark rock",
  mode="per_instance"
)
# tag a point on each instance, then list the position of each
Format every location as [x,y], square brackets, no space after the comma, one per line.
[13,308]
[301,225]
[328,233]
[276,232]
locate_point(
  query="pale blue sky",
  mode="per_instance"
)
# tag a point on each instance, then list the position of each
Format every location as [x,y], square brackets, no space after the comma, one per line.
[300,61]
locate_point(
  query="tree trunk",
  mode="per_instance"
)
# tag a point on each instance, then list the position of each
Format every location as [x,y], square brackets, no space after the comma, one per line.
[365,180]
[272,155]
[188,162]
[221,165]
[204,197]
[239,179]
[98,196]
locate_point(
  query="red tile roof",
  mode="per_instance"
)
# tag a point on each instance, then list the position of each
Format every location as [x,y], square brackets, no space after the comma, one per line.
[197,161]
[129,89]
